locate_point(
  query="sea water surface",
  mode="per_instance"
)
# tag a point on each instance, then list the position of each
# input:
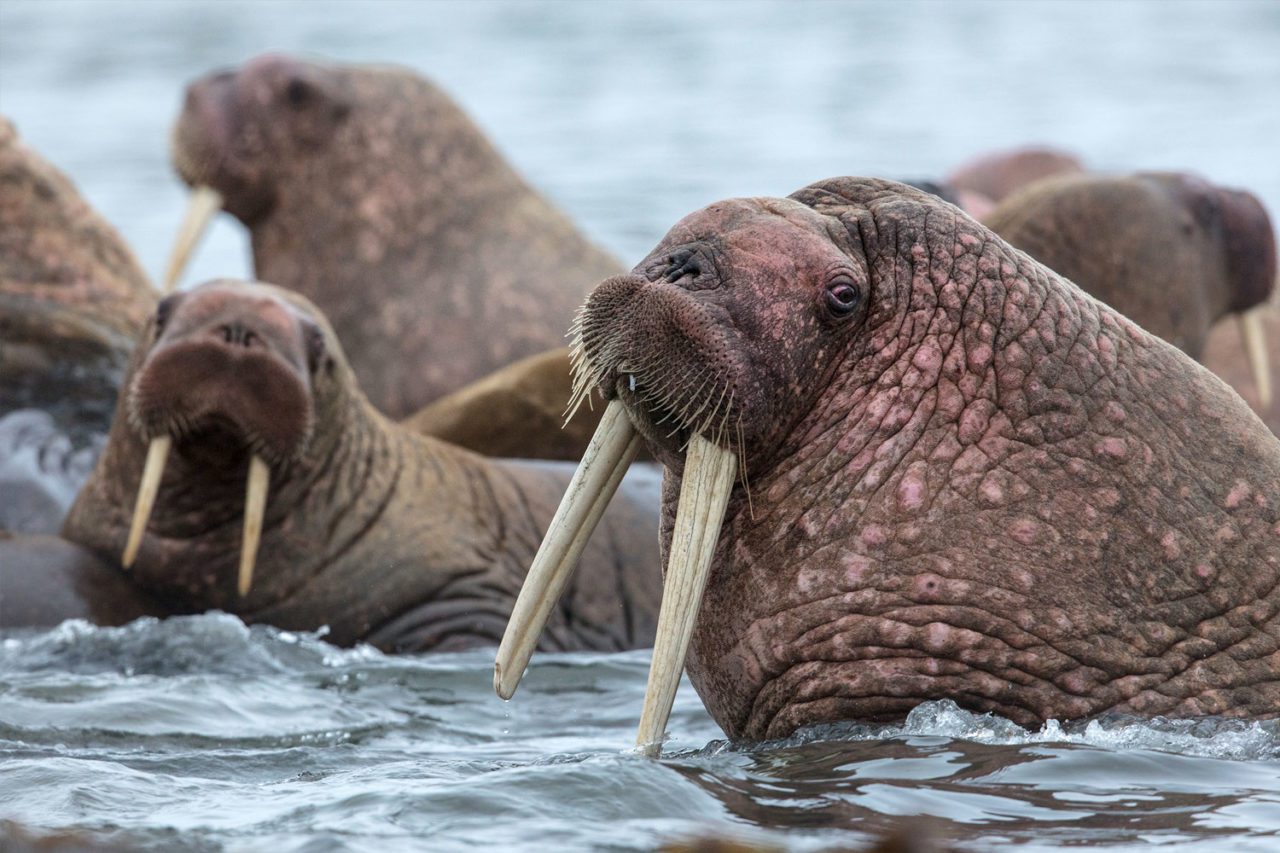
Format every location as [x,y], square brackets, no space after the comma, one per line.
[201,734]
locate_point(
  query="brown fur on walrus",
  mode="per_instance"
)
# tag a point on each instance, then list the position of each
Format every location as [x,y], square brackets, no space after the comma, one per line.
[384,535]
[72,300]
[72,295]
[1171,251]
[518,411]
[368,190]
[985,181]
[1224,354]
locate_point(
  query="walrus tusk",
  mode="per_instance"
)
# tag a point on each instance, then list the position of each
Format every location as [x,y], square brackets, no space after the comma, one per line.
[607,456]
[704,495]
[1255,345]
[152,471]
[255,506]
[204,204]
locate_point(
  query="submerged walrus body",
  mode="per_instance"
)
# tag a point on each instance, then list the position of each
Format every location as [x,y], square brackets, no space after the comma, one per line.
[381,534]
[370,192]
[960,477]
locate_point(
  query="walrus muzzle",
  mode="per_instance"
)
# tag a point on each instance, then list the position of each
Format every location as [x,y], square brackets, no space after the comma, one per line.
[255,506]
[709,472]
[262,400]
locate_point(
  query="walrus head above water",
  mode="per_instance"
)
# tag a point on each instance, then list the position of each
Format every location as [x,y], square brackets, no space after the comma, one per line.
[231,377]
[367,189]
[245,471]
[235,128]
[962,477]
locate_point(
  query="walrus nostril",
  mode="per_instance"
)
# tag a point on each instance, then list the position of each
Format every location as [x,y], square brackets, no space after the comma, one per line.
[238,334]
[682,263]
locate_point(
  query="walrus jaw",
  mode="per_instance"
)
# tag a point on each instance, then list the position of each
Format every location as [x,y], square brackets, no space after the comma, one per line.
[204,204]
[709,472]
[1255,345]
[255,506]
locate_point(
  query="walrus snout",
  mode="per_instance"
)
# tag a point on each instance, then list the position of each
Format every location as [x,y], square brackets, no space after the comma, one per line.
[659,347]
[1250,248]
[224,357]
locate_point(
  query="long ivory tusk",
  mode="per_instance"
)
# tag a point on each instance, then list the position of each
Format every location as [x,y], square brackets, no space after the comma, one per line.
[255,506]
[603,464]
[704,495]
[1255,345]
[203,205]
[152,471]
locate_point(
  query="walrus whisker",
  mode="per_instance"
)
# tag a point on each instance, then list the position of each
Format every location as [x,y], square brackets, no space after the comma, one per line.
[152,471]
[742,467]
[204,204]
[704,497]
[606,459]
[255,507]
[1255,346]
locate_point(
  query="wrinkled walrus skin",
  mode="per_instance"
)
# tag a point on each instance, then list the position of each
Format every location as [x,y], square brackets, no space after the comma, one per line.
[384,535]
[72,300]
[1170,251]
[367,190]
[969,479]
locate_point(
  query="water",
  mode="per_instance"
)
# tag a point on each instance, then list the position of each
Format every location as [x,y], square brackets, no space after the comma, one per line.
[631,115]
[200,734]
[236,738]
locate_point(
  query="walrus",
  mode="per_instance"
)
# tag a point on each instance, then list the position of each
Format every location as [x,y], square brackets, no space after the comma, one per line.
[45,580]
[370,192]
[1171,251]
[246,472]
[983,182]
[1233,352]
[910,463]
[517,411]
[72,299]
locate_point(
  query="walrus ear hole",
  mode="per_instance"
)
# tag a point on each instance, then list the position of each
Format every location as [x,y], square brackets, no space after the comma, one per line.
[842,296]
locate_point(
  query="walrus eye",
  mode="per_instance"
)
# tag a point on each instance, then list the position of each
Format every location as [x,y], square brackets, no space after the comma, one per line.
[315,348]
[299,93]
[163,311]
[843,297]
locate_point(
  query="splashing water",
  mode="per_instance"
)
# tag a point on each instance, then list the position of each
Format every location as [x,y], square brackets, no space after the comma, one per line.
[203,731]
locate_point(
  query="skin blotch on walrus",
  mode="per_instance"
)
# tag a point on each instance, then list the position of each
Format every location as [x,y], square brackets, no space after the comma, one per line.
[370,192]
[951,474]
[246,472]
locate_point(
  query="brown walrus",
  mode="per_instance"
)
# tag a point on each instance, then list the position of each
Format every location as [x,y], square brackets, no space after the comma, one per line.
[369,191]
[45,580]
[72,299]
[1170,251]
[985,181]
[518,411]
[382,534]
[1226,354]
[961,477]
